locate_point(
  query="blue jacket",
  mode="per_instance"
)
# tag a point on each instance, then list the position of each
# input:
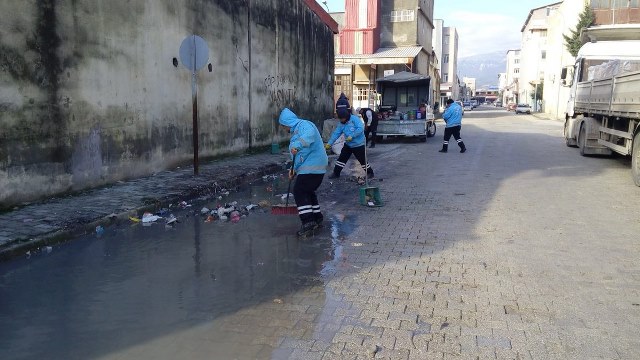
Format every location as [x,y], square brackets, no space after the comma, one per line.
[311,157]
[354,127]
[453,115]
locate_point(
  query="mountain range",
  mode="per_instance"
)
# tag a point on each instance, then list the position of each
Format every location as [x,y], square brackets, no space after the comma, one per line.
[483,67]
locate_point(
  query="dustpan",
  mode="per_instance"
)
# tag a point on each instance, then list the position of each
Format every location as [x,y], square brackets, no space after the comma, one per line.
[369,195]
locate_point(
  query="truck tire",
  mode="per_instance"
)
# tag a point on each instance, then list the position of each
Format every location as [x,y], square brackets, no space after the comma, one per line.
[635,159]
[431,129]
[582,139]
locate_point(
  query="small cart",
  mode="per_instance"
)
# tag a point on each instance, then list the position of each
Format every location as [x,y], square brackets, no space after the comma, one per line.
[402,94]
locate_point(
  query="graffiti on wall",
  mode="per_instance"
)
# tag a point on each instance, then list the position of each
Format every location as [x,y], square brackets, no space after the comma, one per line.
[281,90]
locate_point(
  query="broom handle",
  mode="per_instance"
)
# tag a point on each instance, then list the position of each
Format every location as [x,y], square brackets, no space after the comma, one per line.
[290,178]
[366,162]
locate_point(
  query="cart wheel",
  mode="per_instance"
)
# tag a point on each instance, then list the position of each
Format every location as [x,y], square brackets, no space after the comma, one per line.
[431,129]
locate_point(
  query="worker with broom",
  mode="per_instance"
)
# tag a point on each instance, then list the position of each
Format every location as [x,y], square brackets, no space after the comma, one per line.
[353,129]
[309,163]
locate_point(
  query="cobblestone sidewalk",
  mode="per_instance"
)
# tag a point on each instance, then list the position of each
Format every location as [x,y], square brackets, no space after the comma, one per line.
[56,219]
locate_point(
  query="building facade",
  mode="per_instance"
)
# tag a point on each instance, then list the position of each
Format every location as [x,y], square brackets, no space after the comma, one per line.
[450,83]
[533,55]
[380,38]
[511,90]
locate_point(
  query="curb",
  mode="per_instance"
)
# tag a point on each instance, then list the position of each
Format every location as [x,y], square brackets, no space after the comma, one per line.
[21,246]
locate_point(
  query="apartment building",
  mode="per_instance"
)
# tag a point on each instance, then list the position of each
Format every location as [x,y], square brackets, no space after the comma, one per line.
[379,38]
[511,89]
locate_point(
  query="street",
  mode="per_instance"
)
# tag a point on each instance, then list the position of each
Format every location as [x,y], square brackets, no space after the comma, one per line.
[517,249]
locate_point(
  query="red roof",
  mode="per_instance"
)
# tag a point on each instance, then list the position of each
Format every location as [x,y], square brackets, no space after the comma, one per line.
[324,16]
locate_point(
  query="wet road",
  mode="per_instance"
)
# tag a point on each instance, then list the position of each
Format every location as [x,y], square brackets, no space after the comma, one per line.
[496,253]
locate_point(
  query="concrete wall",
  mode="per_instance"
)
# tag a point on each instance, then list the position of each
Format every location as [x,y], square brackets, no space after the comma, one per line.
[89,93]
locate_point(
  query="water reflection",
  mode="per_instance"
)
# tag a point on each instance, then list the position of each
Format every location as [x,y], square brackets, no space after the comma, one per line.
[96,296]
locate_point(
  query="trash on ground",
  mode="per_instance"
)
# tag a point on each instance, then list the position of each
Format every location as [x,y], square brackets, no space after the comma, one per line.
[210,218]
[48,249]
[99,230]
[171,219]
[224,218]
[251,207]
[134,219]
[149,217]
[204,210]
[264,204]
[278,301]
[235,217]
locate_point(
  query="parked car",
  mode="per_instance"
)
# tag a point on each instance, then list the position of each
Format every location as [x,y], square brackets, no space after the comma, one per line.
[523,109]
[511,107]
[498,103]
[467,106]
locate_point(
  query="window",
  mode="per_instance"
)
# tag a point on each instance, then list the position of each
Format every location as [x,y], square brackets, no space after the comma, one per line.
[516,61]
[446,40]
[633,4]
[543,33]
[445,77]
[362,94]
[516,71]
[445,58]
[600,4]
[543,54]
[402,15]
[620,4]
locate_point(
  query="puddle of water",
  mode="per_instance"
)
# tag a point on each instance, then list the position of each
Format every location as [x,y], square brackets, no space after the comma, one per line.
[95,295]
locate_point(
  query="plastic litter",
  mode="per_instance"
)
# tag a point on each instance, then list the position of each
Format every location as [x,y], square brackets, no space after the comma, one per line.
[171,219]
[210,218]
[251,207]
[48,249]
[149,218]
[99,230]
[204,210]
[134,219]
[235,217]
[224,218]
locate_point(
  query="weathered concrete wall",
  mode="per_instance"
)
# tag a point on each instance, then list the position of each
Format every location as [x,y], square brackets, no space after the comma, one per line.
[89,94]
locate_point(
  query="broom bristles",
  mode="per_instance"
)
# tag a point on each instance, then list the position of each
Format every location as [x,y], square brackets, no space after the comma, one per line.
[284,210]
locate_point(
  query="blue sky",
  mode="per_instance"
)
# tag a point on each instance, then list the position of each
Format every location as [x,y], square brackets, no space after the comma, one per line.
[483,26]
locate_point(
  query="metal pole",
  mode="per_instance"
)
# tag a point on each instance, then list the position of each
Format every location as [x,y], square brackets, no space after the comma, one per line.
[194,98]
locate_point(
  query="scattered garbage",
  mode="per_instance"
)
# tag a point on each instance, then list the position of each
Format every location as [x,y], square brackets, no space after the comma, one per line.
[204,210]
[210,218]
[28,254]
[278,301]
[149,217]
[134,219]
[48,249]
[171,219]
[264,204]
[235,217]
[99,230]
[251,207]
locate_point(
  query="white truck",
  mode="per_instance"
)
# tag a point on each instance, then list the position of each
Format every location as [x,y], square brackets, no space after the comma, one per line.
[603,110]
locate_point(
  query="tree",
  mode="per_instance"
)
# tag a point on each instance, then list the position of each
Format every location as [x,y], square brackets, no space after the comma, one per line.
[573,42]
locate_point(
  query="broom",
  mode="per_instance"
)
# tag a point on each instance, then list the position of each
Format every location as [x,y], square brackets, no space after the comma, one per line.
[286,209]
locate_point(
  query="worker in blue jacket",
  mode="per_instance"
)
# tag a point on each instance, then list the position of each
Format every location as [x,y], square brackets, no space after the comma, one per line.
[453,118]
[353,129]
[310,164]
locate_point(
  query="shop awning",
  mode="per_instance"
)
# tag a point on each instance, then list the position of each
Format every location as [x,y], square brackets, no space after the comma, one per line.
[399,55]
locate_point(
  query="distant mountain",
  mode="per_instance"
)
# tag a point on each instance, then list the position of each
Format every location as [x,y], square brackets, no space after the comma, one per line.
[483,67]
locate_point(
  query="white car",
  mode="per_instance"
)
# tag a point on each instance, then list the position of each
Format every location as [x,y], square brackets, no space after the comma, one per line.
[523,109]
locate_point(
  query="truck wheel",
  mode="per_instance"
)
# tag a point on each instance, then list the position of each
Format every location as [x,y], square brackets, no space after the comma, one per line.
[582,139]
[635,159]
[431,129]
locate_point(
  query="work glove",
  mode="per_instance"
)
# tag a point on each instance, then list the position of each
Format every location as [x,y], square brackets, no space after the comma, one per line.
[294,151]
[327,146]
[349,138]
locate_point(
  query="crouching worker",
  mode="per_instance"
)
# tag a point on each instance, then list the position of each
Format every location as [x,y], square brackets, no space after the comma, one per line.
[353,129]
[310,164]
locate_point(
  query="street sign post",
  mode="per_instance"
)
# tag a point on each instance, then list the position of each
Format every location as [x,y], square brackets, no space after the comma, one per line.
[194,55]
